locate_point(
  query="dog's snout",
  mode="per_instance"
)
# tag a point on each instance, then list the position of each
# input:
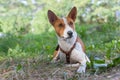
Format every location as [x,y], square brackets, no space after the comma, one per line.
[70,33]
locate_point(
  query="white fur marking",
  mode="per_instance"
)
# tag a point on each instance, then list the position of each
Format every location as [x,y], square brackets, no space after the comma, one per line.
[67,28]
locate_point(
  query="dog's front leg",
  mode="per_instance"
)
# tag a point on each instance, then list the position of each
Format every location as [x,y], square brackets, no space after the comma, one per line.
[73,65]
[55,57]
[82,67]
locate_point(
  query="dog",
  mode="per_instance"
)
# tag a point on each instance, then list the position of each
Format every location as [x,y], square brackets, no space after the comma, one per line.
[70,49]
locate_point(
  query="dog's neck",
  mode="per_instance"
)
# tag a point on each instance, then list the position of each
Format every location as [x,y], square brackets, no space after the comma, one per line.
[66,44]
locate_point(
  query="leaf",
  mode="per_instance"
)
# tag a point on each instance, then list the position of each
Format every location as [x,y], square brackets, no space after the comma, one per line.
[19,67]
[116,61]
[99,65]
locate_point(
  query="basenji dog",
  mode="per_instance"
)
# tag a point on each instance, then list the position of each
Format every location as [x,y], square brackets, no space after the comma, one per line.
[70,47]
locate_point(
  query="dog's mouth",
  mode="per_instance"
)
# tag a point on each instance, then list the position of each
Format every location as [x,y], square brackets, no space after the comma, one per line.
[69,37]
[65,38]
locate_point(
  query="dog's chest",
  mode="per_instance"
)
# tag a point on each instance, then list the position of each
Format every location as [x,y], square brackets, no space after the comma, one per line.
[76,55]
[66,45]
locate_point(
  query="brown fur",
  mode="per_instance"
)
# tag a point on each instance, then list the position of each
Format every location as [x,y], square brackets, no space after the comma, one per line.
[59,26]
[82,44]
[55,54]
[71,23]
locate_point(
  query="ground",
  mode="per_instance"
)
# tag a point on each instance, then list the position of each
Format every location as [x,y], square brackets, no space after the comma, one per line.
[36,69]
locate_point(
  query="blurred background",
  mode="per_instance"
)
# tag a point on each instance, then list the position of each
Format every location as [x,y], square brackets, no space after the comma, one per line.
[25,31]
[32,14]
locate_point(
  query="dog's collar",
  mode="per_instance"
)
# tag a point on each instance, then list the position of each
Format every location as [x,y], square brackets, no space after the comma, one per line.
[68,53]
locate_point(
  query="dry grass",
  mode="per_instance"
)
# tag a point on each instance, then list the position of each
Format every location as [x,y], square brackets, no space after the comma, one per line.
[39,69]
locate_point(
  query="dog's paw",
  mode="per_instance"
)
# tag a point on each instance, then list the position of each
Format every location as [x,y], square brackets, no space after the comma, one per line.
[81,69]
[54,61]
[72,65]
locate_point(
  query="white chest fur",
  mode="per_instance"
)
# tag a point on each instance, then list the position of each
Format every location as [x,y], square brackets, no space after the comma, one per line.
[67,44]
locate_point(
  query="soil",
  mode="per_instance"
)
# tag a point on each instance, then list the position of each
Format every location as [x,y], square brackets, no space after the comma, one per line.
[31,70]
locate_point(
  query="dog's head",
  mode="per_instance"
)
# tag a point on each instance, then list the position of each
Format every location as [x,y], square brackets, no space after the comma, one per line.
[64,27]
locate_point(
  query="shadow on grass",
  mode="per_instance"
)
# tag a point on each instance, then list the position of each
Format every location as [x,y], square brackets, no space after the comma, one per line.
[27,45]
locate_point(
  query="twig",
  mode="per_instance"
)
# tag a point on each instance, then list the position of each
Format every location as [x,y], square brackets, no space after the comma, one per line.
[55,71]
[65,75]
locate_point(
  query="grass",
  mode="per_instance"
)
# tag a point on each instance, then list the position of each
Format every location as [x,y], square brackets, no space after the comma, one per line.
[98,38]
[22,54]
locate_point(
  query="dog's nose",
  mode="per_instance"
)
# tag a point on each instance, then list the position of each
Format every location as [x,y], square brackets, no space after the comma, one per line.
[70,33]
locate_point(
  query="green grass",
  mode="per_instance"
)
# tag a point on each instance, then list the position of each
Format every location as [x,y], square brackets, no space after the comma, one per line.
[27,45]
[99,41]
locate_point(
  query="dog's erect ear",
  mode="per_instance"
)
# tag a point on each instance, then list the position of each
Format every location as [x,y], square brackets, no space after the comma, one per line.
[73,13]
[52,17]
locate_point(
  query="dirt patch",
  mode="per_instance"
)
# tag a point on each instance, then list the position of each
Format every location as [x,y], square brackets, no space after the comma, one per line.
[40,70]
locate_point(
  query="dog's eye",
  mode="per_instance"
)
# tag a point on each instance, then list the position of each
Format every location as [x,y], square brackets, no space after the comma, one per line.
[60,25]
[70,23]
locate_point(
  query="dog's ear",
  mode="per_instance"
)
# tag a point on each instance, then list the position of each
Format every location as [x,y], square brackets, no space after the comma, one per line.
[52,17]
[73,13]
